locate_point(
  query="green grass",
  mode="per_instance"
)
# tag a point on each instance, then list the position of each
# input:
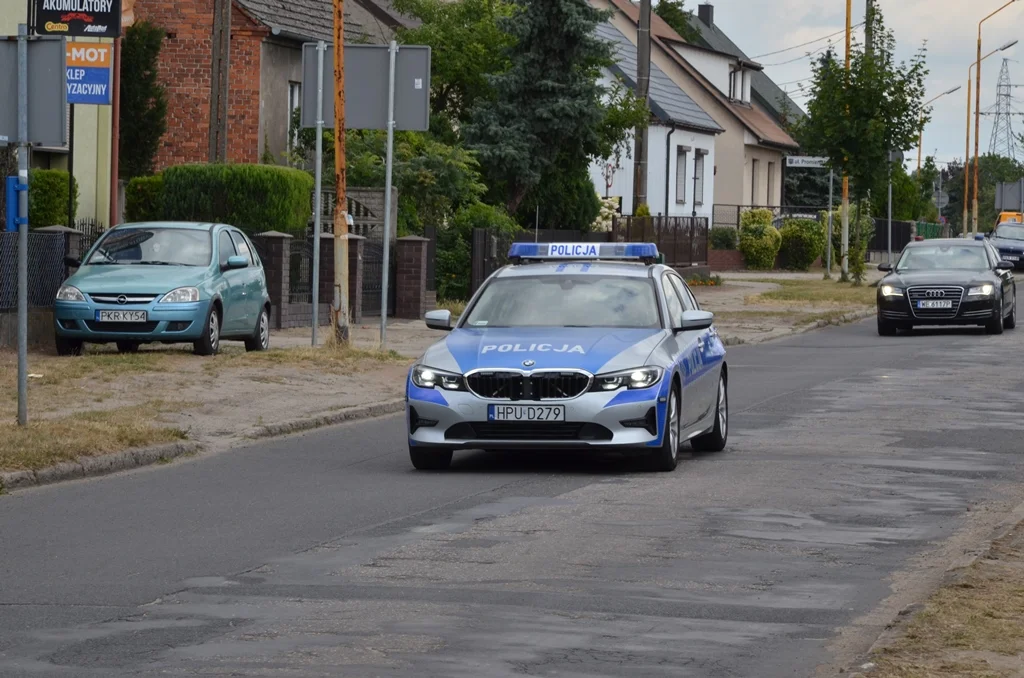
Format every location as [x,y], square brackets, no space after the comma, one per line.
[815,293]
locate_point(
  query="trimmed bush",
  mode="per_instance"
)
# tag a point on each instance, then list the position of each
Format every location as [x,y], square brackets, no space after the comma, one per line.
[48,198]
[453,268]
[723,238]
[867,232]
[642,210]
[762,217]
[760,245]
[255,198]
[802,243]
[144,199]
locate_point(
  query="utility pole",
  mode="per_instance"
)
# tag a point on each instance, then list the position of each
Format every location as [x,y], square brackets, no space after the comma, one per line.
[869,28]
[643,87]
[845,276]
[218,134]
[339,310]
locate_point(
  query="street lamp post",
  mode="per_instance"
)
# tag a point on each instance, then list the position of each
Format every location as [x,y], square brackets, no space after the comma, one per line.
[920,139]
[977,116]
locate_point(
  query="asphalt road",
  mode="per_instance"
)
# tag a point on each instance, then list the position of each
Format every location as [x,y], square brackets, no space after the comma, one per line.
[324,554]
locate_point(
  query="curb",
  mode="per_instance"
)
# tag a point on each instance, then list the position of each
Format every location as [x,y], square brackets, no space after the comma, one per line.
[348,414]
[87,467]
[844,319]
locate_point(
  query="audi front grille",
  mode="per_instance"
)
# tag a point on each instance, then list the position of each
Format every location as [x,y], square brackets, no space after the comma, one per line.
[947,292]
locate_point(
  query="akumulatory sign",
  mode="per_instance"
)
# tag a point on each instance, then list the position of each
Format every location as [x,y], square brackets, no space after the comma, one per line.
[82,18]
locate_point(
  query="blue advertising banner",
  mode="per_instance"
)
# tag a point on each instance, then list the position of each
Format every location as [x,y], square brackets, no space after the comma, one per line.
[89,76]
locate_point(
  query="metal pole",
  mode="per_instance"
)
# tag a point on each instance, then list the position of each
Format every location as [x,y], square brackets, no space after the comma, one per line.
[23,225]
[888,259]
[393,53]
[115,137]
[845,215]
[977,132]
[831,208]
[536,225]
[340,306]
[967,155]
[71,166]
[643,84]
[321,49]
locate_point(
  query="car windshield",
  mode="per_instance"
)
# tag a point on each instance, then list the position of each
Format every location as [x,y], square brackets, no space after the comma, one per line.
[1015,232]
[943,257]
[153,246]
[567,301]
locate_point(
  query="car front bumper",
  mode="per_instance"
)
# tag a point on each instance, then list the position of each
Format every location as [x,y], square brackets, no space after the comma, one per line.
[167,323]
[620,420]
[971,311]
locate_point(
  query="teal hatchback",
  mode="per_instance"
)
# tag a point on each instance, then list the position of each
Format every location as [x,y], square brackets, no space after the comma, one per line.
[165,283]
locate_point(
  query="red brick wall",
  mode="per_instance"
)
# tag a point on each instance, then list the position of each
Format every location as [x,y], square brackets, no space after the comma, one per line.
[185,69]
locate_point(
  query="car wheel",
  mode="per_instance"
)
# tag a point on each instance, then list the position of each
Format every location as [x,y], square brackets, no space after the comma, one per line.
[430,459]
[127,347]
[667,457]
[1011,320]
[716,440]
[69,347]
[995,326]
[260,340]
[886,328]
[209,344]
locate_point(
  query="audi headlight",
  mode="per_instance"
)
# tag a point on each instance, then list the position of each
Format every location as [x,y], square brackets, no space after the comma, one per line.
[981,291]
[69,293]
[890,291]
[182,295]
[427,377]
[641,377]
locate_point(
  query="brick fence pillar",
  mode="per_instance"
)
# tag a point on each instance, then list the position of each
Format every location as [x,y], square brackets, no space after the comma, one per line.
[356,245]
[411,279]
[275,251]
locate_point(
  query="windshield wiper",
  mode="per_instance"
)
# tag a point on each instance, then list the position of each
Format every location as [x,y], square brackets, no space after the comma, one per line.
[153,263]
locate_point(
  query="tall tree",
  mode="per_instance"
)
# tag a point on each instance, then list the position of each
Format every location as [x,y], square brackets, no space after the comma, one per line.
[680,19]
[143,100]
[548,107]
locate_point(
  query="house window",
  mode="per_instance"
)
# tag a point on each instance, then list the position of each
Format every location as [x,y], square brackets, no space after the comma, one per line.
[771,184]
[755,166]
[294,104]
[681,153]
[698,173]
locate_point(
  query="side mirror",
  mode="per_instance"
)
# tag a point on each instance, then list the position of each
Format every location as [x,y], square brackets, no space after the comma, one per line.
[1004,266]
[885,267]
[237,261]
[71,262]
[439,320]
[696,320]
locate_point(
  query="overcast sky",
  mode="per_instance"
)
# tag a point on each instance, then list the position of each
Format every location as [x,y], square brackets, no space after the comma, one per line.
[949,26]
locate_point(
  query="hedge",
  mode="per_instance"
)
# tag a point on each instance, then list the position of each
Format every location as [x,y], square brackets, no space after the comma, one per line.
[144,199]
[255,198]
[48,198]
[760,245]
[802,243]
[762,217]
[723,238]
[453,268]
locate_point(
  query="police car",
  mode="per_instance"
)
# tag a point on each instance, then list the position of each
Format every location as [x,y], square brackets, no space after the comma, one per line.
[579,345]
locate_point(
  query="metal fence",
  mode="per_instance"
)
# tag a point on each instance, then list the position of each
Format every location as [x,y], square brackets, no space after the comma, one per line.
[731,215]
[932,231]
[300,271]
[45,265]
[489,253]
[683,240]
[91,231]
[902,234]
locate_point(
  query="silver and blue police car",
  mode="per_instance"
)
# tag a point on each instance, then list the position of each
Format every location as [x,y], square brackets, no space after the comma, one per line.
[578,345]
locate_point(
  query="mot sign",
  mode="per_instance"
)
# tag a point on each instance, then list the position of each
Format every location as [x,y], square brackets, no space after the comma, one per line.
[806,162]
[89,73]
[77,18]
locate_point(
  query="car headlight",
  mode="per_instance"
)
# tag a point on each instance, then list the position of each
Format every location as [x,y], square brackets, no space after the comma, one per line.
[427,377]
[641,377]
[182,295]
[890,291]
[981,291]
[69,293]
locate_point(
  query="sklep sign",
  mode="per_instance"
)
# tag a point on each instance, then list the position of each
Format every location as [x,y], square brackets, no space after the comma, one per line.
[78,18]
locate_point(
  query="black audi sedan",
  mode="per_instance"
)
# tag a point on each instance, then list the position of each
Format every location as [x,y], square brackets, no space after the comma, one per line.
[947,282]
[1008,239]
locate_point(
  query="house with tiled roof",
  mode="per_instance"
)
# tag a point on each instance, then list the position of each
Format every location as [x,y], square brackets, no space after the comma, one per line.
[681,142]
[265,68]
[751,149]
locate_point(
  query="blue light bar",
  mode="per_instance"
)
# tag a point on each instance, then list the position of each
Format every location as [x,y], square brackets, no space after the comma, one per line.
[583,250]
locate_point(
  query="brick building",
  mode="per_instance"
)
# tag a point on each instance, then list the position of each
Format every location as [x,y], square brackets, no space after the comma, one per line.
[265,68]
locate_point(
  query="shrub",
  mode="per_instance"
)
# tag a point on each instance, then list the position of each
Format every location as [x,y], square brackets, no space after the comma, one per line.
[762,217]
[803,241]
[144,199]
[723,238]
[254,198]
[867,231]
[760,245]
[454,266]
[48,198]
[642,210]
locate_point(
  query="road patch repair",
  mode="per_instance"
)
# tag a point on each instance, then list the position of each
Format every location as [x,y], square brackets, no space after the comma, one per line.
[106,411]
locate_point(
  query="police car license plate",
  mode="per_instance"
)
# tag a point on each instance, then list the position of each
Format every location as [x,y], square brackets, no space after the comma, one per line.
[935,303]
[121,316]
[526,412]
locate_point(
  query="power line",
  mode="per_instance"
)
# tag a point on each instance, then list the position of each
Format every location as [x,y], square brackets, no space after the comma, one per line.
[811,42]
[805,56]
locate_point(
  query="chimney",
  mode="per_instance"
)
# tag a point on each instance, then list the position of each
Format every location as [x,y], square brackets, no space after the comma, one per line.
[706,13]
